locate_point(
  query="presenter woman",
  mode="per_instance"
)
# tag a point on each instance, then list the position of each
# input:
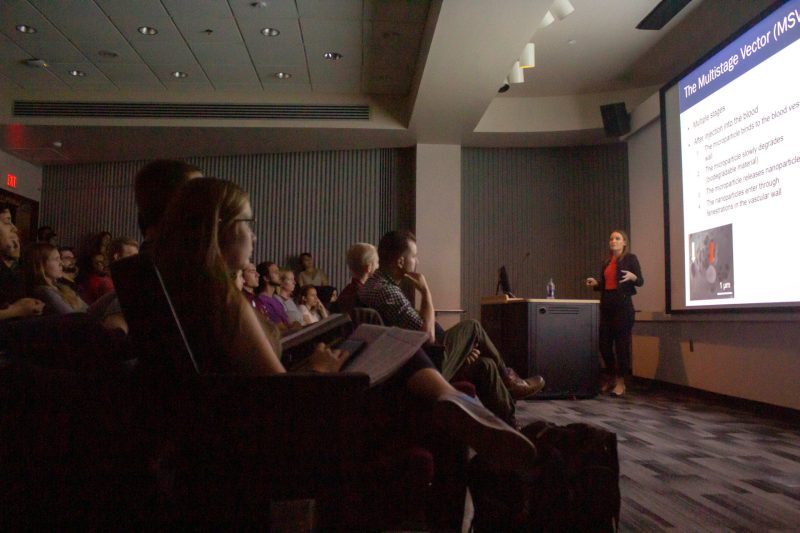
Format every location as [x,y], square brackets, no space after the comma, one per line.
[618,281]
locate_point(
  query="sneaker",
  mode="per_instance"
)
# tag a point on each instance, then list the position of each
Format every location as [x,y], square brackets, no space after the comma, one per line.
[496,442]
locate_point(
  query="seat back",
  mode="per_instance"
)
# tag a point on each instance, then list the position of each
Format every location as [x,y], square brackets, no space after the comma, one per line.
[365,315]
[155,329]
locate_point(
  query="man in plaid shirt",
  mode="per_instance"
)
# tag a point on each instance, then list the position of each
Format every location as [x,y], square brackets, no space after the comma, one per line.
[467,352]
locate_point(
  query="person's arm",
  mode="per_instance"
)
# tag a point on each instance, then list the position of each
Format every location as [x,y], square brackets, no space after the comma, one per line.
[253,353]
[22,308]
[304,310]
[633,273]
[323,313]
[426,310]
[54,304]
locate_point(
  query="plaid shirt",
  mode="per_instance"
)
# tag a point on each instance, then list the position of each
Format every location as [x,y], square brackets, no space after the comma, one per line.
[381,293]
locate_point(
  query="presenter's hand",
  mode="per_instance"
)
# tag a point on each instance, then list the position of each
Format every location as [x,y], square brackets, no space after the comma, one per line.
[327,361]
[627,275]
[591,282]
[419,281]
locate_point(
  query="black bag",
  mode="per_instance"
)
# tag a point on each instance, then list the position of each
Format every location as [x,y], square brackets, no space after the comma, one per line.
[574,487]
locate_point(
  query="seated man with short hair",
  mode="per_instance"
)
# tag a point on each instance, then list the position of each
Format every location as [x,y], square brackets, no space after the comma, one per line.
[468,351]
[13,304]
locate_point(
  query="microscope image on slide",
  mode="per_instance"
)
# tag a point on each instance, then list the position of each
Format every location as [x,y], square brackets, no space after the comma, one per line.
[711,257]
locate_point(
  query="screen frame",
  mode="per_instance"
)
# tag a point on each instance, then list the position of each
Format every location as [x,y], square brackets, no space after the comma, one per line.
[742,308]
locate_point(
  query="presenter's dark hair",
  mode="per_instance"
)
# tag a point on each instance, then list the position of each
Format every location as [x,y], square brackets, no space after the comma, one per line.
[627,241]
[393,245]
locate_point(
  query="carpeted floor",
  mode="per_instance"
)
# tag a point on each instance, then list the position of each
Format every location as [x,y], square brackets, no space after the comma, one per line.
[692,464]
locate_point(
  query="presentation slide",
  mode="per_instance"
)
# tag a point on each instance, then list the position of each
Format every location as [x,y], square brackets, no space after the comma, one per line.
[733,143]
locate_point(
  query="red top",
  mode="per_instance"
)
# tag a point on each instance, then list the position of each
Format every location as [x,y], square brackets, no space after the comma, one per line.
[610,273]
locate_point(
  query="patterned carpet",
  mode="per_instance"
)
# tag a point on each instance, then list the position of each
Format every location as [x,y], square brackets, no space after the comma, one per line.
[692,464]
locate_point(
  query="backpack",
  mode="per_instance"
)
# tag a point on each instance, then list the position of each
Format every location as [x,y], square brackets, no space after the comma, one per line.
[574,487]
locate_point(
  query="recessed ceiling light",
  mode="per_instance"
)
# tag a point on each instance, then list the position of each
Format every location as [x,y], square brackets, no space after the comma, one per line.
[77,73]
[263,3]
[270,32]
[37,63]
[24,28]
[283,75]
[107,53]
[179,74]
[147,30]
[572,41]
[333,56]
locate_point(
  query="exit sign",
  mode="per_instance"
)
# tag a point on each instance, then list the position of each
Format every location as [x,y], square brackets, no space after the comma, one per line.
[11,181]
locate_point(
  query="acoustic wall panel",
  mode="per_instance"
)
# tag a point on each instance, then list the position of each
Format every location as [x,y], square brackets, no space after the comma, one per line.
[320,202]
[541,212]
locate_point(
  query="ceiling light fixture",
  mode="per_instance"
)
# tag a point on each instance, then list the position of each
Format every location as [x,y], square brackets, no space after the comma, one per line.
[333,56]
[107,53]
[516,75]
[77,73]
[147,30]
[263,3]
[547,20]
[37,63]
[283,75]
[505,87]
[270,32]
[24,28]
[527,59]
[562,9]
[179,74]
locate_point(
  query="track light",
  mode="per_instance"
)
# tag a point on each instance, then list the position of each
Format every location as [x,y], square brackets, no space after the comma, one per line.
[516,75]
[547,20]
[527,59]
[562,9]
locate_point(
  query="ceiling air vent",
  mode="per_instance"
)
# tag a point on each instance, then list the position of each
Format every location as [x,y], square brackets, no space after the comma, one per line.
[212,111]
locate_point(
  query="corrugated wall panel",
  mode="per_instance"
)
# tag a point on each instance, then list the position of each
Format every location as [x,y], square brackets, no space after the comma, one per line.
[541,212]
[320,202]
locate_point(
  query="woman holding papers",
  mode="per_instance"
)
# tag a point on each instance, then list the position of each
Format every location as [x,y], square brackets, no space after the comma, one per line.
[205,237]
[620,276]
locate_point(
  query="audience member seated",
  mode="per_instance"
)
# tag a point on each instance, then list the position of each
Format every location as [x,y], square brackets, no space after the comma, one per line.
[13,304]
[46,234]
[310,275]
[207,225]
[284,295]
[98,282]
[106,307]
[70,267]
[43,272]
[250,280]
[101,243]
[468,351]
[269,280]
[362,261]
[312,309]
[121,248]
[6,213]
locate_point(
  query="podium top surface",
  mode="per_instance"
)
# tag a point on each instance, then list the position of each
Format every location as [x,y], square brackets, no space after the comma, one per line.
[504,299]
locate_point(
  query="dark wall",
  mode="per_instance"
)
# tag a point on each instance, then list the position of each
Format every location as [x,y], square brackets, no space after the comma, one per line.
[541,212]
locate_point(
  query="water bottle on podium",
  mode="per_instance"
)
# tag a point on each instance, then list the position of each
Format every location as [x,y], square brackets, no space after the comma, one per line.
[551,289]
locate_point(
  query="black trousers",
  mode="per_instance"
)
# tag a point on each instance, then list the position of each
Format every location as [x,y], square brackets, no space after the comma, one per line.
[616,323]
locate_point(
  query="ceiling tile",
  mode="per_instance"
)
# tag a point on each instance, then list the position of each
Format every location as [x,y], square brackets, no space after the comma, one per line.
[57,51]
[287,88]
[336,80]
[78,19]
[237,87]
[244,10]
[267,74]
[32,78]
[193,19]
[137,73]
[227,73]
[93,74]
[322,36]
[190,87]
[22,12]
[218,53]
[195,74]
[128,16]
[10,52]
[325,9]
[159,54]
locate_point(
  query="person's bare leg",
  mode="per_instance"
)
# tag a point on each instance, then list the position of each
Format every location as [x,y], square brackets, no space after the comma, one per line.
[429,384]
[466,419]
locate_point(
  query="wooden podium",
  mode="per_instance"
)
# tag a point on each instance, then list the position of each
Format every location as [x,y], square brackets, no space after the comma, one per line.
[557,339]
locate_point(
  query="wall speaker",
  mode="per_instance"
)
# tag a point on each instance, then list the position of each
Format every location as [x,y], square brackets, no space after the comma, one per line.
[616,120]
